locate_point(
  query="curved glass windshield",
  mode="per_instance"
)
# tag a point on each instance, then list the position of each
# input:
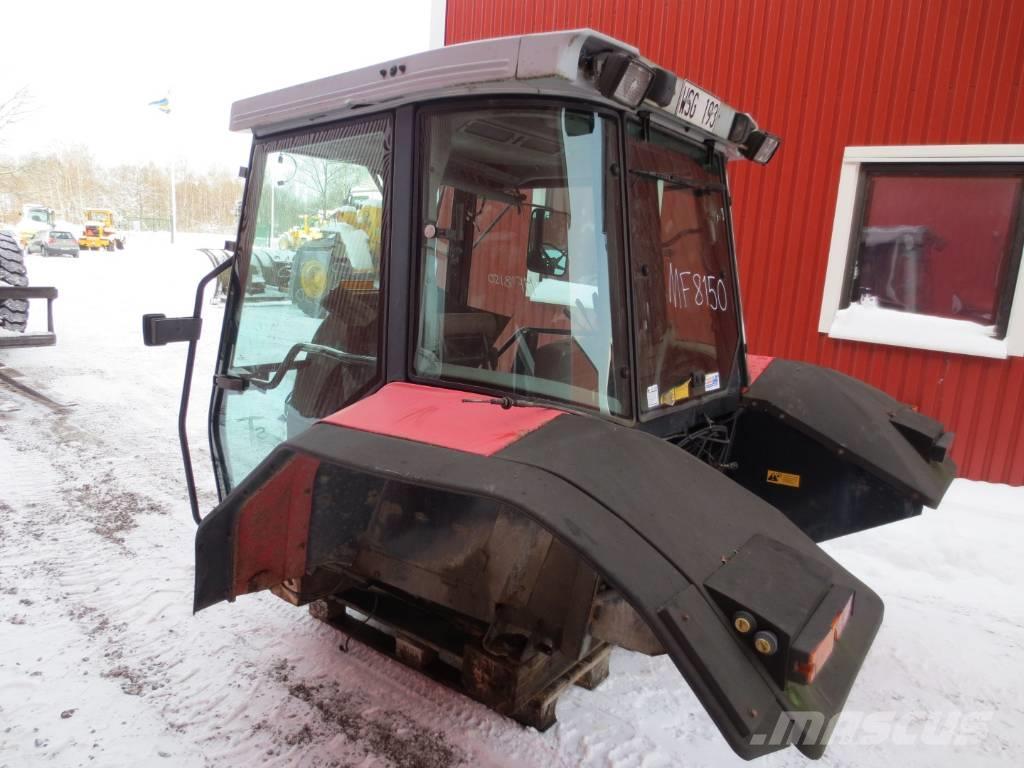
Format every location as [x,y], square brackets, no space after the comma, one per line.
[521,253]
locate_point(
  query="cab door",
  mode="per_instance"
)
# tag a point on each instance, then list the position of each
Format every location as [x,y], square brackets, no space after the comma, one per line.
[296,350]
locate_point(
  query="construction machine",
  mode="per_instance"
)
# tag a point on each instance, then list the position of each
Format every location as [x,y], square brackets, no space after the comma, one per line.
[308,230]
[34,218]
[315,267]
[517,425]
[99,231]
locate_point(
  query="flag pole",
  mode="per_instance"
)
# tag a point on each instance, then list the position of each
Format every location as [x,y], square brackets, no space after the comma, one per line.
[174,195]
[164,105]
[174,204]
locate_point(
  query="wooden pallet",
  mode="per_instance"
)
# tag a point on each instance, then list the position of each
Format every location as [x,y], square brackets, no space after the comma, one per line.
[526,691]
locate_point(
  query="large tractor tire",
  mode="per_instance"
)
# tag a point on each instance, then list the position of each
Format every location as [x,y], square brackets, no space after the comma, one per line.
[13,312]
[309,280]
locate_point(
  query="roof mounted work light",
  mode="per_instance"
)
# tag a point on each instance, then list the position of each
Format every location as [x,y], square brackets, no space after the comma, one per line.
[623,78]
[761,147]
[663,88]
[742,126]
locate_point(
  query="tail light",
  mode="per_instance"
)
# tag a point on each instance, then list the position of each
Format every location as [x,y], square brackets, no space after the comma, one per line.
[806,661]
[50,241]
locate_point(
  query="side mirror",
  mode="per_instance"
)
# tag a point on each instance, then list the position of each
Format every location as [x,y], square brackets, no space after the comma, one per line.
[543,256]
[158,330]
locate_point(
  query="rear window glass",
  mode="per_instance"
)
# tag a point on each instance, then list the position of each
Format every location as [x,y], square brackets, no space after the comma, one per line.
[61,236]
[685,303]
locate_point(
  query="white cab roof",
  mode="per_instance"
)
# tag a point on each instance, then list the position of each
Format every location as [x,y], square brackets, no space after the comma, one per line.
[541,64]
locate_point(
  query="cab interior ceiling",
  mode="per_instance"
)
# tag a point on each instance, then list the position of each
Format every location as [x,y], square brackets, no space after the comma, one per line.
[495,158]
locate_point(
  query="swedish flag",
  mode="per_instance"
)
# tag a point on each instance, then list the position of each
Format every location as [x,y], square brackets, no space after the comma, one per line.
[164,104]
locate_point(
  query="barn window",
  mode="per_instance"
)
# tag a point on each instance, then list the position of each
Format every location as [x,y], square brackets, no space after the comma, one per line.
[926,249]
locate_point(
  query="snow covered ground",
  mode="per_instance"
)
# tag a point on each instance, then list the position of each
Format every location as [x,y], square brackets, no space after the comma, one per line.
[102,663]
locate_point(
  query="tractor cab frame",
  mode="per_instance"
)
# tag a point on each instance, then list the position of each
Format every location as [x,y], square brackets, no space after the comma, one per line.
[503,410]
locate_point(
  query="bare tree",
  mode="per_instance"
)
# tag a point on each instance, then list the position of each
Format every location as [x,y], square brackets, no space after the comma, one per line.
[69,180]
[14,108]
[329,181]
[138,191]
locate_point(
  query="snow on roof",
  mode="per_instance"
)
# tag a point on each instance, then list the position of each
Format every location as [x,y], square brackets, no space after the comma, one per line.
[546,63]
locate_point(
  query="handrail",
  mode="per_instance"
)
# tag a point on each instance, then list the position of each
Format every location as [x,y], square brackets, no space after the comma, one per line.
[186,388]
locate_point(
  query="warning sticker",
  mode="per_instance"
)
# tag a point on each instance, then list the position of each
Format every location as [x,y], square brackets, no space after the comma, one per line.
[783,478]
[712,382]
[674,395]
[652,396]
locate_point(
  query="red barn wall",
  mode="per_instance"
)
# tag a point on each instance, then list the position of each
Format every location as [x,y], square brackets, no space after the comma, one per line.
[826,74]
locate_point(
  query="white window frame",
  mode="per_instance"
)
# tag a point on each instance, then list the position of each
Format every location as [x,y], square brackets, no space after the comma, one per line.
[910,330]
[438,19]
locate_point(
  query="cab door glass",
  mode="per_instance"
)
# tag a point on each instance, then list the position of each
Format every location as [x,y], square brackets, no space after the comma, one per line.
[309,280]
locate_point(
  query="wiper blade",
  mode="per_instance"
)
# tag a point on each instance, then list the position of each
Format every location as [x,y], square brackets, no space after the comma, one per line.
[680,182]
[505,402]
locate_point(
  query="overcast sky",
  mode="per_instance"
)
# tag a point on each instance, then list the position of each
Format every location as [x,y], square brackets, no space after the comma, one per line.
[92,67]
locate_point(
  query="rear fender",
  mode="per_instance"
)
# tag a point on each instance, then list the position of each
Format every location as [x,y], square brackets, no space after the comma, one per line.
[835,454]
[680,541]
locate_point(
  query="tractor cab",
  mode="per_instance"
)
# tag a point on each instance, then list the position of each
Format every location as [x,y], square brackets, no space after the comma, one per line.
[503,419]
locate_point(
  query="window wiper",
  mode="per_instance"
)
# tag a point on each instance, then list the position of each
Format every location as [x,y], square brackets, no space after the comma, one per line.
[289,363]
[506,402]
[679,182]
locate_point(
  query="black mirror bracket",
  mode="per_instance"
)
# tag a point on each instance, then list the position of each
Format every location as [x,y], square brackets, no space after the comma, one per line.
[158,329]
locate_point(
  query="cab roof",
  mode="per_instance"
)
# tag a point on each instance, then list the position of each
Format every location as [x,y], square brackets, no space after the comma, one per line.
[550,63]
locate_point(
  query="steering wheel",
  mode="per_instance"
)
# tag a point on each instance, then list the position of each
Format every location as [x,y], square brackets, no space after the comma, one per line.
[555,259]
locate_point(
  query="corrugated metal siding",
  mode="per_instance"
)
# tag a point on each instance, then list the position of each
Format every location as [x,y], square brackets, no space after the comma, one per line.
[826,75]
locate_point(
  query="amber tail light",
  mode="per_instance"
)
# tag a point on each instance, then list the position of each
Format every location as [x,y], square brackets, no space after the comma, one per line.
[823,630]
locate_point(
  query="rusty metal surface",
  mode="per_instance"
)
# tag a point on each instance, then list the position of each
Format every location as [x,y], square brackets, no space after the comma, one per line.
[272,531]
[471,555]
[827,74]
[615,621]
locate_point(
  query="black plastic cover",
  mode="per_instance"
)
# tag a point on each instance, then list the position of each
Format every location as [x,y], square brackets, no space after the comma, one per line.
[858,423]
[158,329]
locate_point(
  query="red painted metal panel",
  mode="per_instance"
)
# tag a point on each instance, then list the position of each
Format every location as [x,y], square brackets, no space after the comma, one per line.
[826,74]
[443,417]
[273,527]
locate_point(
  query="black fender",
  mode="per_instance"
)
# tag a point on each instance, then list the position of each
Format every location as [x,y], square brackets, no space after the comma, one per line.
[834,454]
[684,544]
